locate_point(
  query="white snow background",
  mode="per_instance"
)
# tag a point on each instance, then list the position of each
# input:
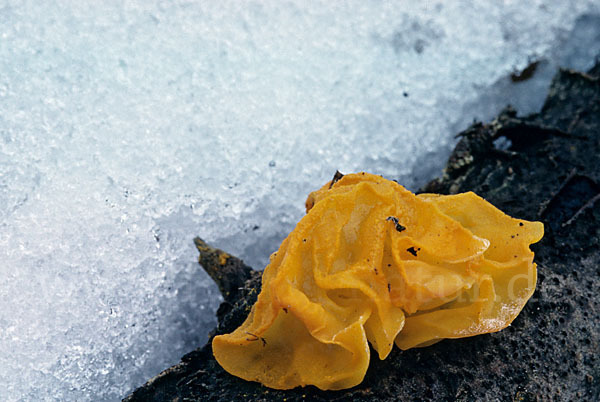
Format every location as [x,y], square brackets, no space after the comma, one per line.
[128,128]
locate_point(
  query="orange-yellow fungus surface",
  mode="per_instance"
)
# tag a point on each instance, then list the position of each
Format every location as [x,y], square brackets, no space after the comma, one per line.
[372,262]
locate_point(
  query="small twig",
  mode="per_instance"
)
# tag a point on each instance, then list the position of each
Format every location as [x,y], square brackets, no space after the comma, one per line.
[256,338]
[585,206]
[504,153]
[189,379]
[564,183]
[512,124]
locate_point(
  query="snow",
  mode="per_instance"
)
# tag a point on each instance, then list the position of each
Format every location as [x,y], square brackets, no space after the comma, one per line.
[128,129]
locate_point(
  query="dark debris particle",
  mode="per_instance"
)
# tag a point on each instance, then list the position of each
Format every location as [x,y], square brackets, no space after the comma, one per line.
[399,227]
[413,251]
[336,177]
[526,73]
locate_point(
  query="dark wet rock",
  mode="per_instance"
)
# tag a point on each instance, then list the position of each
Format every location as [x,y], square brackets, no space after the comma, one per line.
[542,167]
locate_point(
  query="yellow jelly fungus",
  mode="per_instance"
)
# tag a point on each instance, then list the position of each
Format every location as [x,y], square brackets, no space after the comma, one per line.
[372,262]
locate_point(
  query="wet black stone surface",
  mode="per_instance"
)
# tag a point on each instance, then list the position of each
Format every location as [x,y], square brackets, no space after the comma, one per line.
[551,173]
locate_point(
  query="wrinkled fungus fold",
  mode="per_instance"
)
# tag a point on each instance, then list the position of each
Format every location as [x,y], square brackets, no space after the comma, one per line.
[371,262]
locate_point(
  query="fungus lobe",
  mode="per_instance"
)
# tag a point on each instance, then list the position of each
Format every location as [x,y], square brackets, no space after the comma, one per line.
[345,277]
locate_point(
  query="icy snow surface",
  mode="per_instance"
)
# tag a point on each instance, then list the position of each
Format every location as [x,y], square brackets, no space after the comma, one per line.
[126,130]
